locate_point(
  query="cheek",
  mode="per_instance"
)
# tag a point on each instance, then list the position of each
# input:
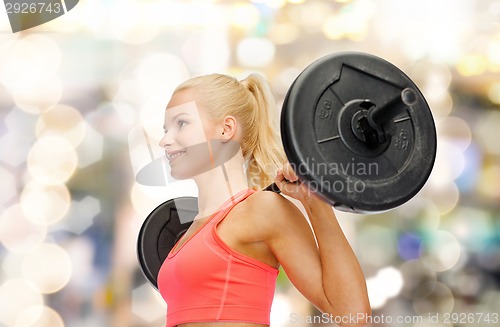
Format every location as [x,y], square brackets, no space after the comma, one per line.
[191,135]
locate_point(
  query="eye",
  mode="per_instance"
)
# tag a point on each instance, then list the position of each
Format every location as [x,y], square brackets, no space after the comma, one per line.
[181,123]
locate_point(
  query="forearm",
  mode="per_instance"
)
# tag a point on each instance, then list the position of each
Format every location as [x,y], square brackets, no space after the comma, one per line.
[342,277]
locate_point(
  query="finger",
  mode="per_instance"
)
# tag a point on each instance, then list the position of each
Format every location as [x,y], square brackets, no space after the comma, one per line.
[289,173]
[279,176]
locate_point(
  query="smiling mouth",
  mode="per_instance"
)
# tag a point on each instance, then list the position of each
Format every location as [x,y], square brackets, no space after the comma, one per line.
[175,155]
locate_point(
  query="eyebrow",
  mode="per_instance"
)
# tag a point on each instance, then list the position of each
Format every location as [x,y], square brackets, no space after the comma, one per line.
[174,117]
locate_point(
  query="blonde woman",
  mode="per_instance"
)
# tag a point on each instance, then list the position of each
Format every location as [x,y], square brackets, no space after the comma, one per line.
[223,271]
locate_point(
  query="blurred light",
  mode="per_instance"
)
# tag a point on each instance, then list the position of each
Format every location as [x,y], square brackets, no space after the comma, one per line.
[48,267]
[332,28]
[469,179]
[49,50]
[52,160]
[423,33]
[90,14]
[127,91]
[19,137]
[45,204]
[441,107]
[448,165]
[255,52]
[81,215]
[491,299]
[467,283]
[490,258]
[147,303]
[296,1]
[284,80]
[177,14]
[152,117]
[472,227]
[244,15]
[8,189]
[375,293]
[433,78]
[39,316]
[350,22]
[142,149]
[36,96]
[16,295]
[81,252]
[440,251]
[385,285]
[494,51]
[23,64]
[444,196]
[109,119]
[494,92]
[63,121]
[488,133]
[419,215]
[146,198]
[414,275]
[310,15]
[433,297]
[128,22]
[91,148]
[377,245]
[159,74]
[284,33]
[276,4]
[11,265]
[281,311]
[472,64]
[456,130]
[206,51]
[409,246]
[17,233]
[125,112]
[488,185]
[392,279]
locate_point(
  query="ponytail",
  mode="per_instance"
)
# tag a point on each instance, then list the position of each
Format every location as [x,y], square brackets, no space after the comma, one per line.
[266,152]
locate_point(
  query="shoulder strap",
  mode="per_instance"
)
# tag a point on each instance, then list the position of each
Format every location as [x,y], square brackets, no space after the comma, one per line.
[231,202]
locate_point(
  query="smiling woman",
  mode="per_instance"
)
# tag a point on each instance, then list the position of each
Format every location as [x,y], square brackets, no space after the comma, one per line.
[222,133]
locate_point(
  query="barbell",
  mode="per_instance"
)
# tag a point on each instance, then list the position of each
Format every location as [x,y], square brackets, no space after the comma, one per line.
[355,129]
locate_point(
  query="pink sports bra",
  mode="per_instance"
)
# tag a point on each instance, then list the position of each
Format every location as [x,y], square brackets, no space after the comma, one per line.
[205,280]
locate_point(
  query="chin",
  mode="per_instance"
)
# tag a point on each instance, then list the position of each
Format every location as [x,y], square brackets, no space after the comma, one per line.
[180,175]
[190,169]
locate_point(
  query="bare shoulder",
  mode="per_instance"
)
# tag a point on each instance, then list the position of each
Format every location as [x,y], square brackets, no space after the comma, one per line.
[272,211]
[271,202]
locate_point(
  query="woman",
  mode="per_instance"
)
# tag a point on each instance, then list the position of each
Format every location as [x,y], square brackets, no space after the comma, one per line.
[223,271]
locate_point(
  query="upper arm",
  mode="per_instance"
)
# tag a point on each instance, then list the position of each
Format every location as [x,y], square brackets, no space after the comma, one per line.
[291,240]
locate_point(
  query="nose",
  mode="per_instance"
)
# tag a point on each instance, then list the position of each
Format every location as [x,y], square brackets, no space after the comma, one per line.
[166,140]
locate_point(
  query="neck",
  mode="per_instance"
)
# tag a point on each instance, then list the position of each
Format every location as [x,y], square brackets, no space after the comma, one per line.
[218,185]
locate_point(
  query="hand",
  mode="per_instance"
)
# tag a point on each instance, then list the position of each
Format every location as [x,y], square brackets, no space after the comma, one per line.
[292,186]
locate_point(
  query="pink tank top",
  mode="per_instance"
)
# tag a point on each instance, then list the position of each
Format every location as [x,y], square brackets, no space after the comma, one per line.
[205,280]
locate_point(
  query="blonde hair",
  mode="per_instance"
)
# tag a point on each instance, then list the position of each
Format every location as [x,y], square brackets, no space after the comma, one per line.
[251,102]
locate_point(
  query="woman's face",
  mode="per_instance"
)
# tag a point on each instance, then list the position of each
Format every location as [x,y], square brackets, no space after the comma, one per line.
[187,132]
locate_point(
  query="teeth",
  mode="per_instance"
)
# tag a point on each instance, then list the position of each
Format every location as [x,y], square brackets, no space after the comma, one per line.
[175,155]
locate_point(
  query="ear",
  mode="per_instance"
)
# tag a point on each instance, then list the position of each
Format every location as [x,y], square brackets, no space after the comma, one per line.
[228,128]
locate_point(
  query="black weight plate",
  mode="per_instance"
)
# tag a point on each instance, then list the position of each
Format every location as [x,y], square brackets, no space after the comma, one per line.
[161,230]
[318,138]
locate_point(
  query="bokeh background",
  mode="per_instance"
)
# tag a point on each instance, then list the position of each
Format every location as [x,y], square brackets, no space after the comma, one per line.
[81,97]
